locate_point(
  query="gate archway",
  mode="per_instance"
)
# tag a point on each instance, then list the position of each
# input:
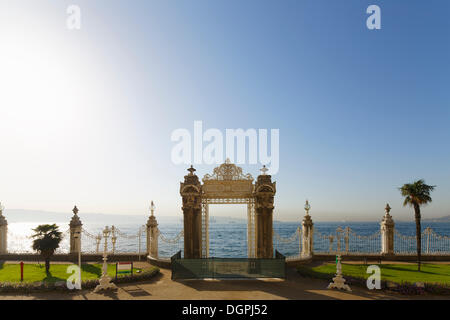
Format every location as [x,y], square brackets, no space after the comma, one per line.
[228,185]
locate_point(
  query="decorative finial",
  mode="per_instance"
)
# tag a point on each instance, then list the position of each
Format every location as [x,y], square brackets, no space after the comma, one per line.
[75,221]
[264,170]
[106,232]
[307,207]
[152,208]
[228,161]
[388,208]
[191,170]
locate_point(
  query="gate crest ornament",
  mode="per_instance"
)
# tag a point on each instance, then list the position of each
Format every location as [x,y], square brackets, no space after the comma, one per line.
[227,171]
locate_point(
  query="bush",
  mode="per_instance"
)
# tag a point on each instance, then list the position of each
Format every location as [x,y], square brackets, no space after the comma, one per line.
[87,284]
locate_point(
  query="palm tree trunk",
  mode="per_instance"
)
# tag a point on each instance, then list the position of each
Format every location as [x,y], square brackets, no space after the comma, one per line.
[418,234]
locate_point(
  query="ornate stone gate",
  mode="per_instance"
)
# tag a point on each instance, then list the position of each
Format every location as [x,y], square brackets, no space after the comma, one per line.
[228,185]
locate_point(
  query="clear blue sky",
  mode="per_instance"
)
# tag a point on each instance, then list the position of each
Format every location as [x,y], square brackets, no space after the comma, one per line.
[360,112]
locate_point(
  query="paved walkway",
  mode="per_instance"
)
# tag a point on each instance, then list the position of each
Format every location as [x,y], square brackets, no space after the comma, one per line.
[163,288]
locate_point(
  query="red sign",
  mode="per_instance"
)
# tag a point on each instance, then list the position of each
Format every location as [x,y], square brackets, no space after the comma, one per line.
[21,271]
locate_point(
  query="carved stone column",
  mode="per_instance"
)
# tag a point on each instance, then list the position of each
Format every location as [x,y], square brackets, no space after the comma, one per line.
[307,233]
[75,227]
[387,233]
[152,234]
[264,194]
[191,193]
[3,233]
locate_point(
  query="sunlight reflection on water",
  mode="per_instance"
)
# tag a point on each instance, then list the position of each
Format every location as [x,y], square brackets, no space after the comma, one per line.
[19,236]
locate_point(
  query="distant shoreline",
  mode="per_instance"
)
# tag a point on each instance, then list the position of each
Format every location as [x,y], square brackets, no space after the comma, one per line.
[19,215]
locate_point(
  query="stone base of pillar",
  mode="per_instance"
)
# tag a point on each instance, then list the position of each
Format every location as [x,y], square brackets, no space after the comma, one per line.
[105,280]
[105,284]
[339,283]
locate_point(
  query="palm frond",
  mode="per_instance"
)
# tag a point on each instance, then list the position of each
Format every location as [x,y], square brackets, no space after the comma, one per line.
[416,193]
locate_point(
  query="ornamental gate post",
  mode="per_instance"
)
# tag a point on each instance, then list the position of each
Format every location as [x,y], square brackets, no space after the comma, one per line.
[152,233]
[3,232]
[75,232]
[191,193]
[307,232]
[387,233]
[264,194]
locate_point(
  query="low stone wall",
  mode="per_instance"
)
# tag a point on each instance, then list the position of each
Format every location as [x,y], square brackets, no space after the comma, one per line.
[297,262]
[162,263]
[165,263]
[74,257]
[291,263]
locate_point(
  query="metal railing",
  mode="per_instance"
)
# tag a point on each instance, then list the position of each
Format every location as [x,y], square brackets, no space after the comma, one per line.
[344,240]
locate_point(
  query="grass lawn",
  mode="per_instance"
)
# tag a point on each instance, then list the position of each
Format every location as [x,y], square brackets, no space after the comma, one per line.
[398,273]
[36,272]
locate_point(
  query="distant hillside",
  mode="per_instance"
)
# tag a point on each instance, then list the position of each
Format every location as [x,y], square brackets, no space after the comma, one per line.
[18,216]
[442,219]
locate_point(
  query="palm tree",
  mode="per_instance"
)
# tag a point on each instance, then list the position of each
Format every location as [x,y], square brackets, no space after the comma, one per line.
[47,239]
[417,194]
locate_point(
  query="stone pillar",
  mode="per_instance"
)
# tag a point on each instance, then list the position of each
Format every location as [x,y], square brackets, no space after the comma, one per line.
[3,232]
[191,191]
[152,234]
[264,194]
[387,233]
[307,232]
[75,227]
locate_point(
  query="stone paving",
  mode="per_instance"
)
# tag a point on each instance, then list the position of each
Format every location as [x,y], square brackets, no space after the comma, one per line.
[163,288]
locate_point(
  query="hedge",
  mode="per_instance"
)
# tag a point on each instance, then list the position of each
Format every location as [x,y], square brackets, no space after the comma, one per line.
[18,287]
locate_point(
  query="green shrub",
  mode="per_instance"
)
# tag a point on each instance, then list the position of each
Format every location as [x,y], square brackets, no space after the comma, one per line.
[27,287]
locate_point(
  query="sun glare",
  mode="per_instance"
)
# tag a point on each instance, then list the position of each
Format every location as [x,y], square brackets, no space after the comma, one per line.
[42,90]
